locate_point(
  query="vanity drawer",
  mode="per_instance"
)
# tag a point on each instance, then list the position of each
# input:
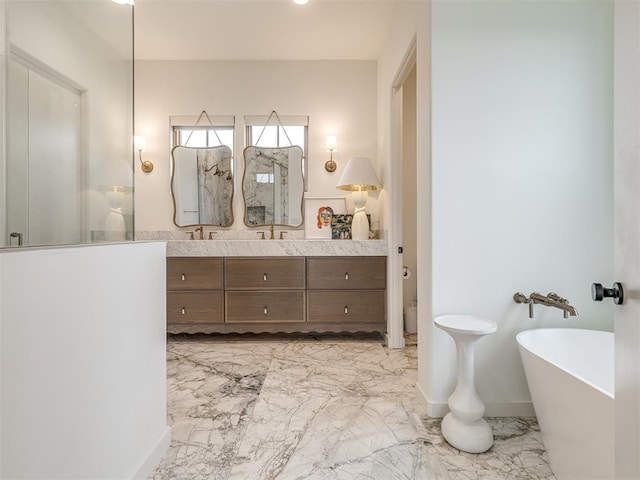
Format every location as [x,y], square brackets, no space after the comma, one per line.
[329,306]
[350,273]
[265,273]
[265,307]
[194,273]
[195,307]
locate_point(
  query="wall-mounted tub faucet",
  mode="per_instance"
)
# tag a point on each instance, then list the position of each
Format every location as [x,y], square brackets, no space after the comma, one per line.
[550,300]
[520,298]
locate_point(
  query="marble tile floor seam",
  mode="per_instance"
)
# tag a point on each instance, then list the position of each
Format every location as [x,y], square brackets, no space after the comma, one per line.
[318,407]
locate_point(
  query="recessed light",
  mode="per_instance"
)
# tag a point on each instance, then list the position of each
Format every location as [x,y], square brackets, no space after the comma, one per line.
[300,2]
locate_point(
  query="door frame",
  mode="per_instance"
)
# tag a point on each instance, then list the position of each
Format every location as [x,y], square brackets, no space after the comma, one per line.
[395,322]
[627,236]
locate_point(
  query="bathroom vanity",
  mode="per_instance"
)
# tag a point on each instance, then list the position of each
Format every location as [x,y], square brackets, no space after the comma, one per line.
[276,286]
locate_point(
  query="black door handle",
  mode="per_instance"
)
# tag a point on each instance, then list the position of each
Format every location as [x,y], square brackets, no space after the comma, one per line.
[598,293]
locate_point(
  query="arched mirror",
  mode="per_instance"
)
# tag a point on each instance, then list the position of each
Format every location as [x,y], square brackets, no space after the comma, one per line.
[273,186]
[202,186]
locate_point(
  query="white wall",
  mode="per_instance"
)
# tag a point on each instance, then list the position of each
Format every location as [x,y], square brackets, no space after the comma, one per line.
[409,25]
[522,178]
[338,96]
[83,361]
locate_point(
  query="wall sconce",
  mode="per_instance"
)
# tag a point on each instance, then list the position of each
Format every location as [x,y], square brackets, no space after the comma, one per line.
[359,177]
[140,145]
[332,146]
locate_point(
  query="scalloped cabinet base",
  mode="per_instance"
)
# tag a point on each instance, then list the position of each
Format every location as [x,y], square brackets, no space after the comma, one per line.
[463,427]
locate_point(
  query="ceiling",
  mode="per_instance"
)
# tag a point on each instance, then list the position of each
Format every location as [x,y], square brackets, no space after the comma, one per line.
[261,29]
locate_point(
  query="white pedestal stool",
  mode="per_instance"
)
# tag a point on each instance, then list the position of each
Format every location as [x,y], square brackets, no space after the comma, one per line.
[463,427]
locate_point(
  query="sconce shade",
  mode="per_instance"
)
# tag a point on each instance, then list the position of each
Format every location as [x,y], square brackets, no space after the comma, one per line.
[331,146]
[332,143]
[359,175]
[139,143]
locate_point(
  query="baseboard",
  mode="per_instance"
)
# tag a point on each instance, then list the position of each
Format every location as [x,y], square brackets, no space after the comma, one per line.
[433,409]
[385,337]
[154,456]
[509,409]
[505,409]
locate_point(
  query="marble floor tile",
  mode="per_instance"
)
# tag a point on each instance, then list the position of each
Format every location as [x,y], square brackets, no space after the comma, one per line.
[403,358]
[201,448]
[517,453]
[330,437]
[202,376]
[326,407]
[344,369]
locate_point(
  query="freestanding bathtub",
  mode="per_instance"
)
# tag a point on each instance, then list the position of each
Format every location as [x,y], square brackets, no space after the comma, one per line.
[570,373]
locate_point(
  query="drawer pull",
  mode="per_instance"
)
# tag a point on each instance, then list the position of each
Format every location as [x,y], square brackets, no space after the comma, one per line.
[264,277]
[183,311]
[266,311]
[346,309]
[183,277]
[346,276]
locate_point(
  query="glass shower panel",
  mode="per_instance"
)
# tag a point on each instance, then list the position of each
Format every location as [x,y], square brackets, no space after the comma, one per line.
[69,122]
[55,163]
[17,166]
[44,159]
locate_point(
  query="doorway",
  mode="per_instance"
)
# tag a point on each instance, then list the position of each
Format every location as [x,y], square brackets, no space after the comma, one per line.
[403,231]
[409,203]
[44,164]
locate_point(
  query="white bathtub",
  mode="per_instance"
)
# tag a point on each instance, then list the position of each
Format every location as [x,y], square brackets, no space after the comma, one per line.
[570,373]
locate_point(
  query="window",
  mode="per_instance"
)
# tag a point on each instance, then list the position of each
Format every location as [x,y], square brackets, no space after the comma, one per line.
[187,134]
[265,178]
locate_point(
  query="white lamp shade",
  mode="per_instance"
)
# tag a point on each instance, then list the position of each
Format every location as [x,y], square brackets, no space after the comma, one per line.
[359,175]
[332,143]
[140,143]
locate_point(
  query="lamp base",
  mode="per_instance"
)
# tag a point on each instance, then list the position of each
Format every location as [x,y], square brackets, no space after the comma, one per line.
[360,226]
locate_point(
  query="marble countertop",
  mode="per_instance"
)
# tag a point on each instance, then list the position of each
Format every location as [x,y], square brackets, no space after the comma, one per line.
[276,248]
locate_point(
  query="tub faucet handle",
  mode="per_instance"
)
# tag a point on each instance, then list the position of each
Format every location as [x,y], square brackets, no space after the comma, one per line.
[519,297]
[557,298]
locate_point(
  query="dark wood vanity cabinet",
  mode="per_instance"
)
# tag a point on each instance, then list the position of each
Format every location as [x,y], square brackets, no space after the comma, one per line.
[348,291]
[276,294]
[195,294]
[265,290]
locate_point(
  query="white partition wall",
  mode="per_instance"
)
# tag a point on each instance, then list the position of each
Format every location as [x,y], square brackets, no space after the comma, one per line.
[83,361]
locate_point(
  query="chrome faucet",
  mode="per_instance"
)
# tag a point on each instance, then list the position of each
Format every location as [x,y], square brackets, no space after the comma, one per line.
[550,300]
[556,301]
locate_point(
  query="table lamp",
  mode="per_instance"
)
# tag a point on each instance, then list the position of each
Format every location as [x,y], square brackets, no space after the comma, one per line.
[359,177]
